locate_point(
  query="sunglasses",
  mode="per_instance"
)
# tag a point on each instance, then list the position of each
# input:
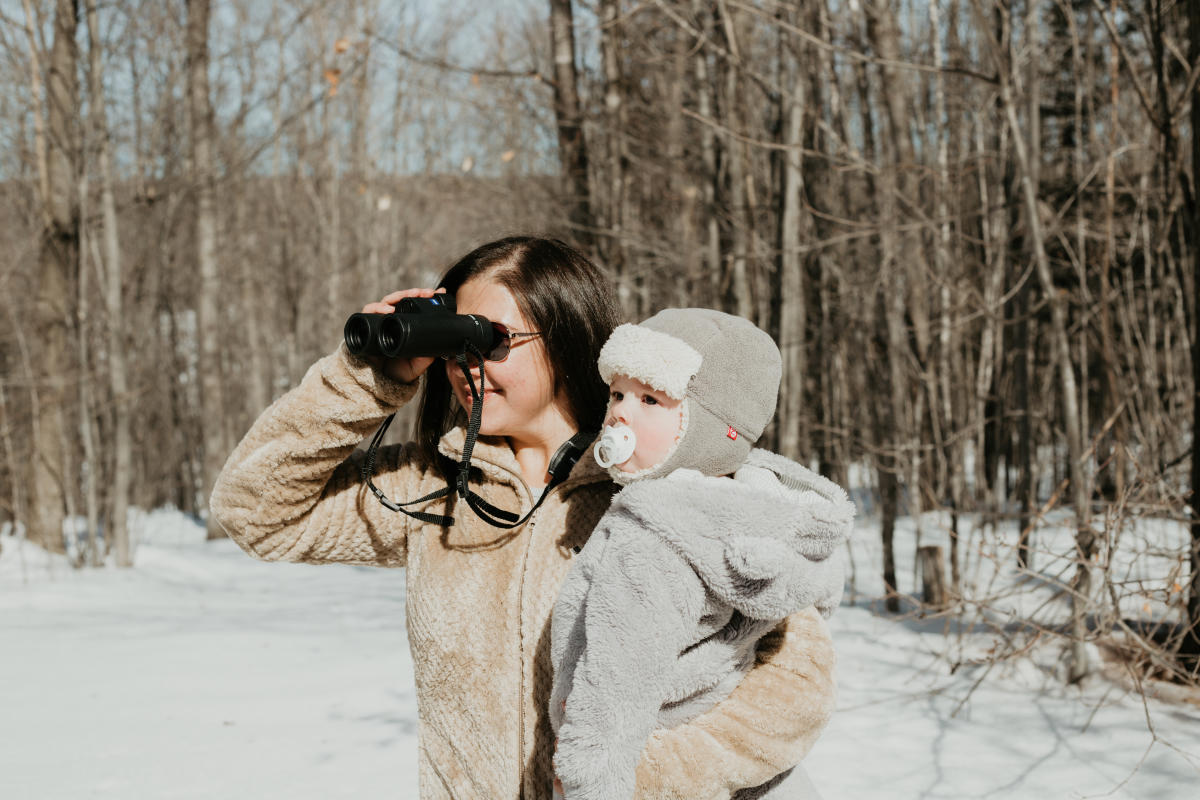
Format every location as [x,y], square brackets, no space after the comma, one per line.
[503,346]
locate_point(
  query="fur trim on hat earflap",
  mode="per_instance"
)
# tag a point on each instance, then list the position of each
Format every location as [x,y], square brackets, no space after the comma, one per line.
[657,359]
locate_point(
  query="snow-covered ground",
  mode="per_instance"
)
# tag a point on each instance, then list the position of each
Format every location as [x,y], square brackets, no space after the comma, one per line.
[202,673]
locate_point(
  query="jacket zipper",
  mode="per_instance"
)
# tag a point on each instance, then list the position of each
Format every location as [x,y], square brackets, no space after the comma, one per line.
[521,645]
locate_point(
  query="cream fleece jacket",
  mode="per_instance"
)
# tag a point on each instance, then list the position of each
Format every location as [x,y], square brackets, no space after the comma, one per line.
[479,598]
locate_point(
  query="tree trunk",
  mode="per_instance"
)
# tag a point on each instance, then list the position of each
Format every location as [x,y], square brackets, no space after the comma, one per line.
[10,462]
[91,553]
[991,339]
[1192,227]
[360,168]
[885,333]
[57,263]
[212,405]
[708,157]
[689,272]
[735,277]
[793,302]
[831,346]
[951,472]
[1111,450]
[122,443]
[901,261]
[331,241]
[933,576]
[568,115]
[613,247]
[1069,397]
[1022,396]
[889,499]
[39,125]
[1023,362]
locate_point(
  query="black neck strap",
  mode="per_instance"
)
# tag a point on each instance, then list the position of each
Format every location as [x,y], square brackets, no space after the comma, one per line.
[561,463]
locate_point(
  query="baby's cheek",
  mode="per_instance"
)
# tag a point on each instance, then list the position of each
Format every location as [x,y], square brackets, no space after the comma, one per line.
[661,441]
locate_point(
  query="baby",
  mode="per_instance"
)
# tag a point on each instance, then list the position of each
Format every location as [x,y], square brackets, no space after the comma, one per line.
[709,545]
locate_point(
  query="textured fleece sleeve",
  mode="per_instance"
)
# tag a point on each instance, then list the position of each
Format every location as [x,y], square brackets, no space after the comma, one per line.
[634,620]
[765,726]
[291,490]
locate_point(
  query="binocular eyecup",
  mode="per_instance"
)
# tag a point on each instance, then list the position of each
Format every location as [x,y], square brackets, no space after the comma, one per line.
[419,327]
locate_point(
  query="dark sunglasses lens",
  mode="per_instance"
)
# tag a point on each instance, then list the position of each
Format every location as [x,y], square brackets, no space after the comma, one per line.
[499,351]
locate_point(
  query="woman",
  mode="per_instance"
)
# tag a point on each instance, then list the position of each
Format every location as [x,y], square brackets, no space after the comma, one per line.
[479,597]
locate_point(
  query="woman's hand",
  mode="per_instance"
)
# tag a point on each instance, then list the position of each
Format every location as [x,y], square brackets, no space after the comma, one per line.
[405,370]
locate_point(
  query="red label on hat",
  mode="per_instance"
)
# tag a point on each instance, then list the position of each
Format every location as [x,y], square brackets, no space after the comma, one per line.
[732,433]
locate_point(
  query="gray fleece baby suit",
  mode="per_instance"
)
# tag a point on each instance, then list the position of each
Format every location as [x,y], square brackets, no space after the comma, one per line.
[658,618]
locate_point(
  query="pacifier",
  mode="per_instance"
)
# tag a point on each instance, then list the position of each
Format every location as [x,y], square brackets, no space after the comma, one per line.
[615,445]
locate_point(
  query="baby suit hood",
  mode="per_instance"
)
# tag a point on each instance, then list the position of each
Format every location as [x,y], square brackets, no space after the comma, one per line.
[766,543]
[724,369]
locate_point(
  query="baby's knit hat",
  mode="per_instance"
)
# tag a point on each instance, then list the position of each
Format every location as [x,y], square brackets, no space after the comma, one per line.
[724,369]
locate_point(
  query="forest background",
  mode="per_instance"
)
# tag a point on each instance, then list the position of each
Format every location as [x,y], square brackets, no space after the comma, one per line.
[971,225]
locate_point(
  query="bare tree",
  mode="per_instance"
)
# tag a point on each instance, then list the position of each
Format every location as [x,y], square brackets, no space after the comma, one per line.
[568,113]
[1192,225]
[113,306]
[1068,392]
[208,324]
[53,482]
[795,229]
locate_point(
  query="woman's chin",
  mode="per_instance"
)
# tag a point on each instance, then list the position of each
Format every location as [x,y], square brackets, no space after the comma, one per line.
[491,430]
[497,425]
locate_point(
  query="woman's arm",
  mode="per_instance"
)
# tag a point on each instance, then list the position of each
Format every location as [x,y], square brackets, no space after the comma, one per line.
[765,726]
[291,490]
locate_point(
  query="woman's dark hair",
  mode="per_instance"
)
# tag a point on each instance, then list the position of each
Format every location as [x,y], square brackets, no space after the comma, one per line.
[560,293]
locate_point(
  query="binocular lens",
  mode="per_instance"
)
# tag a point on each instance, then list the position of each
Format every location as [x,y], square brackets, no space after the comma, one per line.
[358,333]
[392,333]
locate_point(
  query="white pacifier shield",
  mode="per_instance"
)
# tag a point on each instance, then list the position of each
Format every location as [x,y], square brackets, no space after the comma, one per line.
[615,445]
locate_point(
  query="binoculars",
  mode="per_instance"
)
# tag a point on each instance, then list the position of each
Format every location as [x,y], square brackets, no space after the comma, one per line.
[420,326]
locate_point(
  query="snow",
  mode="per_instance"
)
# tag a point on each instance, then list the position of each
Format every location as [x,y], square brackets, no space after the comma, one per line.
[203,673]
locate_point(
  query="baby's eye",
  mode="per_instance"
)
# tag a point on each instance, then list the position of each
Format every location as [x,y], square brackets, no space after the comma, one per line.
[615,395]
[649,400]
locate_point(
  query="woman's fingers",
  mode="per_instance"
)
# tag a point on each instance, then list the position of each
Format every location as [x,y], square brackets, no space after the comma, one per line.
[396,297]
[385,306]
[405,370]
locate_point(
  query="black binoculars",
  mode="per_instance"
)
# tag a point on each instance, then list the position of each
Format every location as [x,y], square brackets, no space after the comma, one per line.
[420,326]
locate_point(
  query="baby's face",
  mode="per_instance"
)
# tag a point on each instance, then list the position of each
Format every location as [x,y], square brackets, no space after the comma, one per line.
[654,417]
